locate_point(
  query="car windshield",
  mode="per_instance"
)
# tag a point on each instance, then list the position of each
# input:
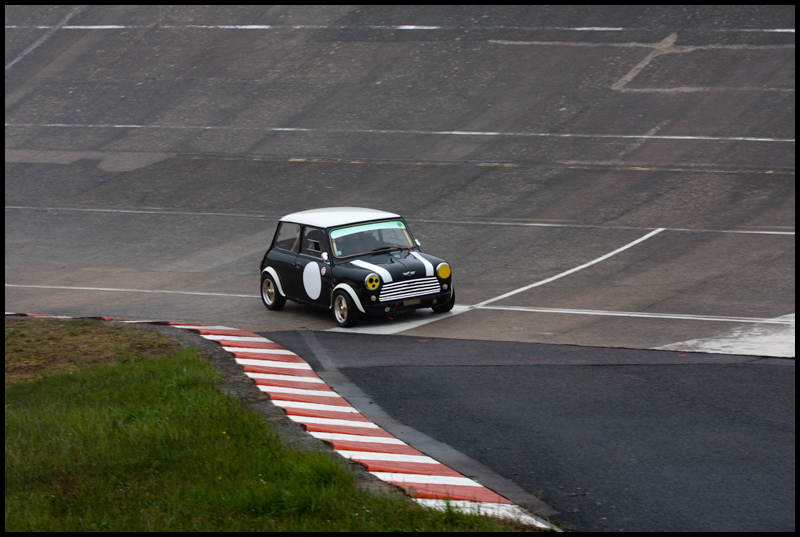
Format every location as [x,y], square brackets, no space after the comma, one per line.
[372,237]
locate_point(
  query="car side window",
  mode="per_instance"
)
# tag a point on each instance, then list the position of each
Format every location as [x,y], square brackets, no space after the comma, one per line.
[288,237]
[313,242]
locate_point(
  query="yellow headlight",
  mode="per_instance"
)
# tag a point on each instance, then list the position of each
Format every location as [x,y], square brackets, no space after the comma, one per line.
[373,281]
[444,271]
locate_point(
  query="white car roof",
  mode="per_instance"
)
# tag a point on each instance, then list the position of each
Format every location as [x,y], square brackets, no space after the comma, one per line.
[336,216]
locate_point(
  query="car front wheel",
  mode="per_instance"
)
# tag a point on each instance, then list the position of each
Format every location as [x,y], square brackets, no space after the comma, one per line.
[270,295]
[447,306]
[345,312]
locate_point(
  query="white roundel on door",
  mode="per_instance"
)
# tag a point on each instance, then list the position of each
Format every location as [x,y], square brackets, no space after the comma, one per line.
[312,282]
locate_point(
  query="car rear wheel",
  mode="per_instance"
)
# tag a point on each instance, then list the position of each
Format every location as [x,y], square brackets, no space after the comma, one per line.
[270,295]
[345,312]
[447,306]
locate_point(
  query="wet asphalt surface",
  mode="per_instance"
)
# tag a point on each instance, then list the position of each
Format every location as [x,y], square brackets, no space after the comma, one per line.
[612,439]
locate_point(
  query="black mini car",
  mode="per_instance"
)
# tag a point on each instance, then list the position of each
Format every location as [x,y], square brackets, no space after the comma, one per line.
[354,261]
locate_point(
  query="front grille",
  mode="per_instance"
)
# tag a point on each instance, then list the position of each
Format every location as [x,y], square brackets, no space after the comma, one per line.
[410,288]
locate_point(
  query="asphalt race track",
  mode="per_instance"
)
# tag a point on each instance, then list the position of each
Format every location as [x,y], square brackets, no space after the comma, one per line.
[604,180]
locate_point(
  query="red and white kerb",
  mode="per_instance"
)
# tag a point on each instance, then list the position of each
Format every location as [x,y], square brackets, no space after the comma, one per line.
[293,386]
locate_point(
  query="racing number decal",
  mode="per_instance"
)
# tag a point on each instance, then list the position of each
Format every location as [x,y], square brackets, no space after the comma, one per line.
[373,282]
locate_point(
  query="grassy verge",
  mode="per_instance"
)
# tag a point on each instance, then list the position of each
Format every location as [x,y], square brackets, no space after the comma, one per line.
[133,443]
[37,348]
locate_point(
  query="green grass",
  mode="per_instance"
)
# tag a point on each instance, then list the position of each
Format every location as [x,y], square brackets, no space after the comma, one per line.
[153,444]
[37,347]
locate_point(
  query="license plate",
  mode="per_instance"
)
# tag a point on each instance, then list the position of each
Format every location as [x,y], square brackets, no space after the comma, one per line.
[412,302]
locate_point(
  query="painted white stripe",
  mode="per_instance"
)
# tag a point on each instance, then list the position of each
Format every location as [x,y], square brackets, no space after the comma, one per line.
[395,327]
[498,510]
[407,132]
[777,341]
[272,363]
[383,27]
[259,351]
[48,316]
[356,438]
[98,27]
[203,327]
[595,29]
[572,270]
[426,479]
[382,272]
[659,45]
[223,27]
[156,291]
[595,226]
[288,378]
[455,222]
[758,30]
[298,391]
[333,421]
[160,212]
[716,318]
[428,265]
[53,29]
[385,457]
[216,337]
[314,406]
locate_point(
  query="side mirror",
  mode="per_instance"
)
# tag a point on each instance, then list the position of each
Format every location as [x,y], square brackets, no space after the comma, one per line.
[325,256]
[418,244]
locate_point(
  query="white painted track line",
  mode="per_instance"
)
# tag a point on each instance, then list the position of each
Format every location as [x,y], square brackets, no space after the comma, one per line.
[314,406]
[272,363]
[233,338]
[422,319]
[288,378]
[113,289]
[333,421]
[255,350]
[426,479]
[378,27]
[52,29]
[427,221]
[646,315]
[404,132]
[415,323]
[299,391]
[572,270]
[388,457]
[357,438]
[202,327]
[760,340]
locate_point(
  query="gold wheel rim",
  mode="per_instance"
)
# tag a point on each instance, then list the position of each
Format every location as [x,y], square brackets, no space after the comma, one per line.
[268,290]
[340,309]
